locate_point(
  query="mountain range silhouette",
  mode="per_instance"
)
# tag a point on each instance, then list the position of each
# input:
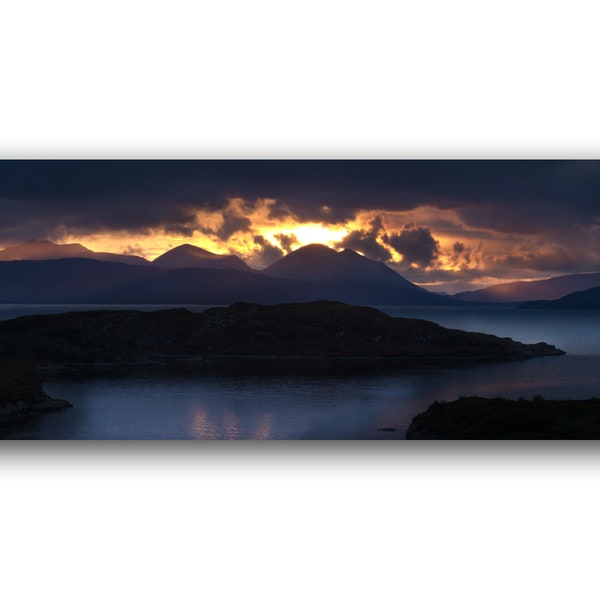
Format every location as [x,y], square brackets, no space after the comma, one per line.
[189,256]
[543,289]
[316,262]
[44,272]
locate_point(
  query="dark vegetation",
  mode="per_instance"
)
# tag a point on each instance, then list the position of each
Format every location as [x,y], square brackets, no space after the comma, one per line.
[21,392]
[321,329]
[475,418]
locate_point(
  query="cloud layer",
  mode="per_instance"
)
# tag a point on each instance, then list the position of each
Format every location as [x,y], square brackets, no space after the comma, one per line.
[436,221]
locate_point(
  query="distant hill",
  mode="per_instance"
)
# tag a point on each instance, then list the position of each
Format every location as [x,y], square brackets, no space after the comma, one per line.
[317,262]
[189,256]
[588,299]
[84,281]
[522,291]
[184,256]
[317,329]
[45,250]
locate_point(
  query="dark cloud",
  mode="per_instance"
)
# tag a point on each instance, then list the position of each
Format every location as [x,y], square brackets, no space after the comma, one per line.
[367,241]
[417,246]
[558,201]
[134,195]
[279,211]
[268,253]
[235,219]
[133,250]
[232,224]
[45,218]
[286,241]
[552,260]
[462,255]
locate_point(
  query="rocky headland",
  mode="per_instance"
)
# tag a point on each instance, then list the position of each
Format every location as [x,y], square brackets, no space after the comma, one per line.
[476,418]
[21,393]
[314,329]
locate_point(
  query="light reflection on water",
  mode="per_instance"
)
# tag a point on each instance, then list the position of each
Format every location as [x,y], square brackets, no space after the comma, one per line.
[263,429]
[234,405]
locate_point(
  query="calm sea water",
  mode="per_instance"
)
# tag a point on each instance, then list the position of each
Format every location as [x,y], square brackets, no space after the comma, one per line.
[317,401]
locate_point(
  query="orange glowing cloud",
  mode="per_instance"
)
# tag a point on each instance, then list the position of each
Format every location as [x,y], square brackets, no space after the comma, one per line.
[432,246]
[265,230]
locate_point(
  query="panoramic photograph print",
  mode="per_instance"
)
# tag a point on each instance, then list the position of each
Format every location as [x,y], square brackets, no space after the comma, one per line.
[299,299]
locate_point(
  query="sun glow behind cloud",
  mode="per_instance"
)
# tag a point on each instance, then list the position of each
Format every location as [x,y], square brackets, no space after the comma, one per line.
[433,247]
[308,233]
[263,231]
[157,242]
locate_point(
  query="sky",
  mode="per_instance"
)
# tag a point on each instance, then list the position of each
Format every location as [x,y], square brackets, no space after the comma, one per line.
[449,225]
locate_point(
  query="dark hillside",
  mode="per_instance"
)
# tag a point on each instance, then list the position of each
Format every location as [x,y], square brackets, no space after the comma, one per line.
[21,392]
[323,328]
[477,418]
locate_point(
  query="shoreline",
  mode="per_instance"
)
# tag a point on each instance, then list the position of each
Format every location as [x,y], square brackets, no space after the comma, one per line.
[304,360]
[21,411]
[498,418]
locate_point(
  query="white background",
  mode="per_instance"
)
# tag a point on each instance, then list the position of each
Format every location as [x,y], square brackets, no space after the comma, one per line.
[284,80]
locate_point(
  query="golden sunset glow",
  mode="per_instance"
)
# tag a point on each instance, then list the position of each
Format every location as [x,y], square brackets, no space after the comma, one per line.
[308,233]
[259,233]
[446,225]
[432,246]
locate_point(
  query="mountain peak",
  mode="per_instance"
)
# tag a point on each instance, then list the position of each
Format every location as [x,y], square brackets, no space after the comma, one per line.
[190,256]
[46,250]
[316,262]
[350,252]
[194,249]
[315,249]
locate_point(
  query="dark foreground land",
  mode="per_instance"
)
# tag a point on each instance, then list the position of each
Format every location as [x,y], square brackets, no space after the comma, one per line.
[294,332]
[21,393]
[476,418]
[315,329]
